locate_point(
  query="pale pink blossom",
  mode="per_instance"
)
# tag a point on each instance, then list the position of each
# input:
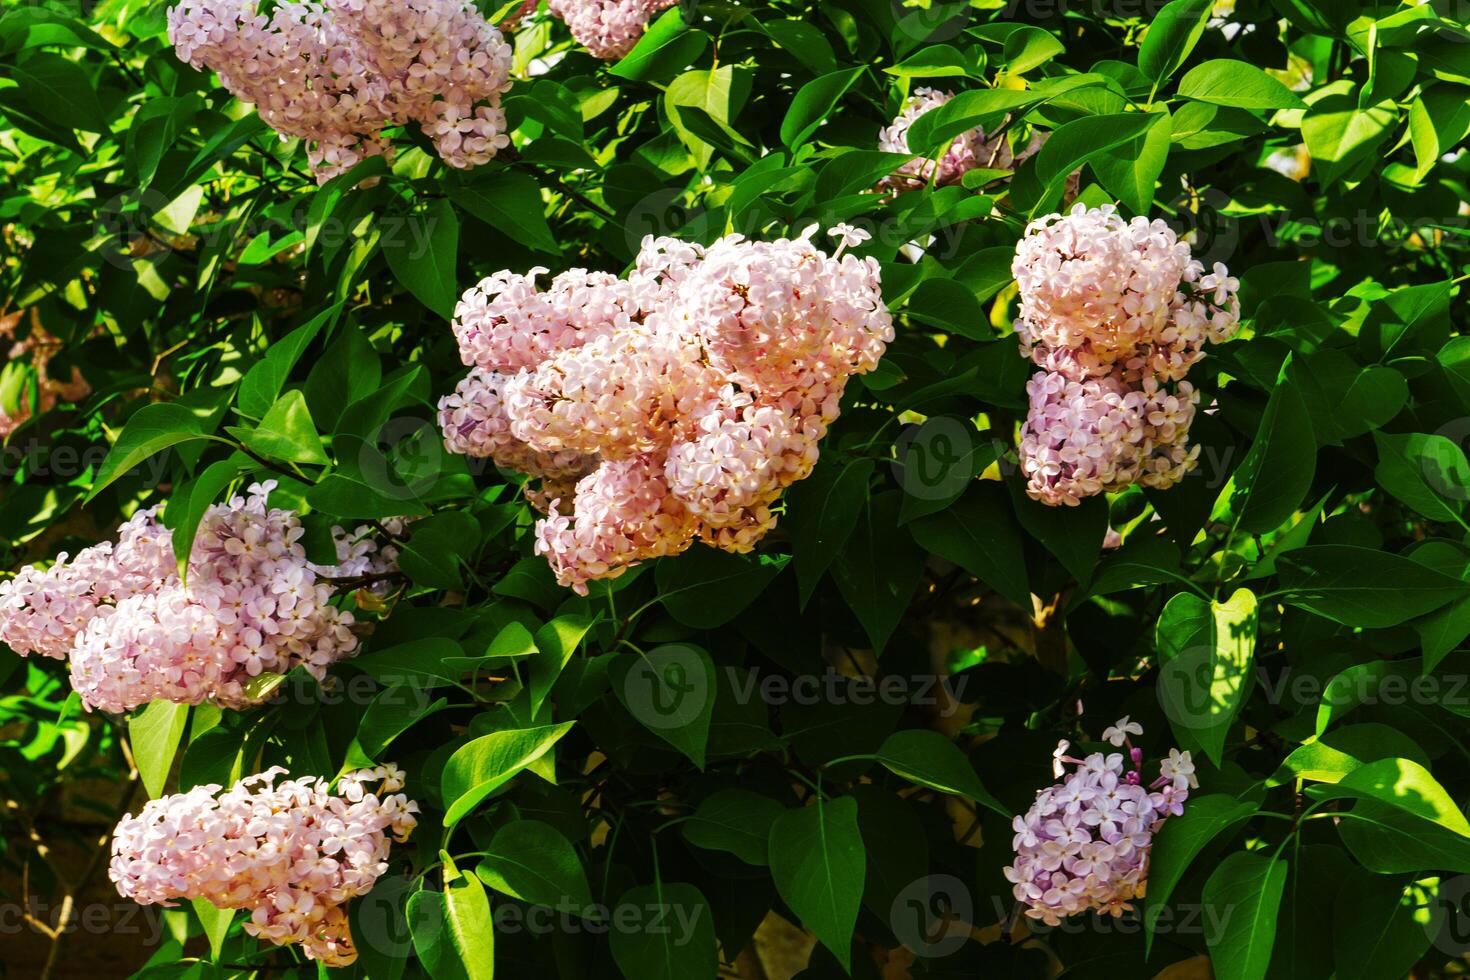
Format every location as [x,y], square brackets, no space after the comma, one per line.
[671,406]
[608,29]
[292,854]
[134,631]
[336,73]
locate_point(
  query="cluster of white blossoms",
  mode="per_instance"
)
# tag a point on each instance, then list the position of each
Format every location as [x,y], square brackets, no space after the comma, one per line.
[293,855]
[134,631]
[672,406]
[608,29]
[338,72]
[1115,312]
[1084,844]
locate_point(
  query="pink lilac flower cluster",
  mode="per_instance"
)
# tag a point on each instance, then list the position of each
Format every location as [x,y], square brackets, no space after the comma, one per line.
[608,29]
[135,632]
[672,406]
[293,855]
[1084,844]
[970,150]
[1115,312]
[338,72]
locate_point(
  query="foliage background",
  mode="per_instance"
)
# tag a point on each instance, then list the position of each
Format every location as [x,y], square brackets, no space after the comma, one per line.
[1293,613]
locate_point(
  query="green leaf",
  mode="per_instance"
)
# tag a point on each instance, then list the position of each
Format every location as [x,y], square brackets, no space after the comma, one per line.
[1387,839]
[1180,840]
[1340,134]
[467,915]
[427,922]
[151,429]
[189,502]
[818,862]
[1363,586]
[1250,884]
[675,942]
[1400,783]
[737,821]
[926,757]
[287,432]
[879,569]
[706,588]
[805,41]
[1227,82]
[381,926]
[1077,142]
[822,510]
[1414,318]
[395,710]
[556,642]
[935,61]
[812,104]
[212,757]
[511,203]
[1073,534]
[1439,120]
[1277,472]
[155,733]
[1209,651]
[1172,35]
[534,862]
[59,89]
[665,48]
[979,534]
[216,923]
[1427,472]
[1377,935]
[347,372]
[263,383]
[433,553]
[483,765]
[1029,47]
[1131,170]
[986,106]
[422,250]
[670,690]
[718,93]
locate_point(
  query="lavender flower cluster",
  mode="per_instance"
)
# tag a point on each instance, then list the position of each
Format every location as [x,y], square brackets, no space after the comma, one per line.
[1084,844]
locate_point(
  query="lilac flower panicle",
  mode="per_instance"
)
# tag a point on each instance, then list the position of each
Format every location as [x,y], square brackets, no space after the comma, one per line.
[1115,312]
[292,854]
[336,73]
[134,632]
[669,407]
[608,29]
[1084,845]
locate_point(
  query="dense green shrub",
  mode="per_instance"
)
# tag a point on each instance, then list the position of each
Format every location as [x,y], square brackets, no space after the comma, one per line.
[837,727]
